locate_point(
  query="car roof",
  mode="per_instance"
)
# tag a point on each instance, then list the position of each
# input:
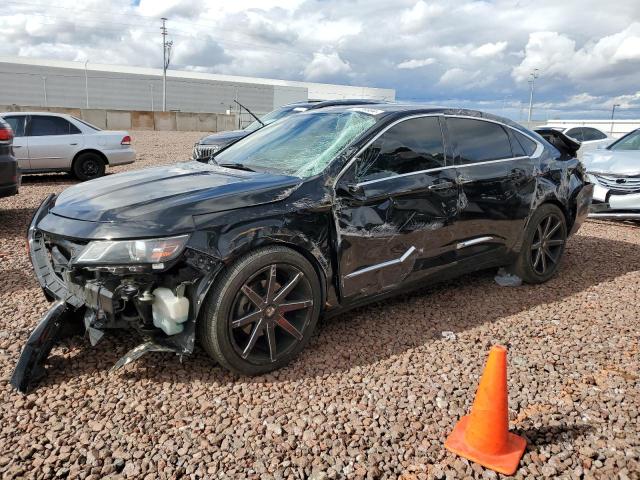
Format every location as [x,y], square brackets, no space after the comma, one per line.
[388,108]
[50,114]
[313,104]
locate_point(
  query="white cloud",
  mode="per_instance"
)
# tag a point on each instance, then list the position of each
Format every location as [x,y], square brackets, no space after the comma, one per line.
[415,63]
[477,52]
[556,55]
[325,66]
[489,50]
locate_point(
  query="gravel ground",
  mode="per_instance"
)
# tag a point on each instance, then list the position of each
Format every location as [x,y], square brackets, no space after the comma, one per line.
[374,395]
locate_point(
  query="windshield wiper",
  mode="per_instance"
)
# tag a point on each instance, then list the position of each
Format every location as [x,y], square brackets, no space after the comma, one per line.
[238,166]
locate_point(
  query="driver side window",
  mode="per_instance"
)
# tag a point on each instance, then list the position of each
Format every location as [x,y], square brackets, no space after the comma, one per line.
[410,146]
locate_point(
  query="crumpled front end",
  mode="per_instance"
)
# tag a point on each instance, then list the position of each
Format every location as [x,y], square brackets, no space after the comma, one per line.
[159,302]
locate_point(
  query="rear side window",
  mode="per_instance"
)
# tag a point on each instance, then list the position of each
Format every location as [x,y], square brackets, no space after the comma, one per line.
[17,125]
[528,145]
[575,133]
[479,141]
[410,146]
[40,126]
[592,134]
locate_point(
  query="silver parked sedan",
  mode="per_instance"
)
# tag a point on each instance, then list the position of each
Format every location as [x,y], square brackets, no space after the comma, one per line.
[615,171]
[54,142]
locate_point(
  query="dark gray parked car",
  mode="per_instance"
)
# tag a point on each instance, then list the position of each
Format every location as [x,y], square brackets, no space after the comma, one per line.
[9,175]
[215,142]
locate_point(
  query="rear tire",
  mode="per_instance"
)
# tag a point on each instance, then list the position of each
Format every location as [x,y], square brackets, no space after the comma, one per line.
[544,241]
[262,312]
[88,166]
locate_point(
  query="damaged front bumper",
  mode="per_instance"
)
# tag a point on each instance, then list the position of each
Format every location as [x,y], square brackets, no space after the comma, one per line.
[94,300]
[615,197]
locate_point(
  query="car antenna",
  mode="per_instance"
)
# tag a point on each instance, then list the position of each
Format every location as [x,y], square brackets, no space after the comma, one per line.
[250,112]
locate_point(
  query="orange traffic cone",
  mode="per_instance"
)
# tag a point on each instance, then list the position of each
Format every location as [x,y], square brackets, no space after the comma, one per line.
[483,436]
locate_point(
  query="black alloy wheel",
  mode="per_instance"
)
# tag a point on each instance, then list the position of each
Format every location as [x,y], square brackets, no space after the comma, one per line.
[548,243]
[270,312]
[88,166]
[262,311]
[544,241]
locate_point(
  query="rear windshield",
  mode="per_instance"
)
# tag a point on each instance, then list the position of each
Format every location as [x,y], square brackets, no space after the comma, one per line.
[300,145]
[93,127]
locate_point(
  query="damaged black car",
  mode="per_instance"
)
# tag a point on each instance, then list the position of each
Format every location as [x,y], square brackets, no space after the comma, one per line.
[309,216]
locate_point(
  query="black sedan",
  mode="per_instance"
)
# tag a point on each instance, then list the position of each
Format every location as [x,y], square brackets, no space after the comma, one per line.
[213,143]
[312,215]
[9,175]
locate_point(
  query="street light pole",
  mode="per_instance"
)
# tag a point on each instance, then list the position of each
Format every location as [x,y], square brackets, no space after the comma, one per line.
[613,112]
[166,59]
[86,82]
[151,88]
[44,88]
[532,80]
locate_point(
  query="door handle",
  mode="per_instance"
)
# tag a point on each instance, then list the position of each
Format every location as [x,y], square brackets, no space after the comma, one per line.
[73,144]
[17,146]
[441,186]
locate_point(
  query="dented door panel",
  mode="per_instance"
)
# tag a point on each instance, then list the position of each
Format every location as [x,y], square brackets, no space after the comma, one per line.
[394,231]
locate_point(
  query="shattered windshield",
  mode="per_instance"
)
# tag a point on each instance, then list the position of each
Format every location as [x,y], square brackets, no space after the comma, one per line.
[272,117]
[300,145]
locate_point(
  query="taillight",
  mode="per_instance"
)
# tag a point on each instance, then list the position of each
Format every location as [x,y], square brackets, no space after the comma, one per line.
[6,134]
[126,140]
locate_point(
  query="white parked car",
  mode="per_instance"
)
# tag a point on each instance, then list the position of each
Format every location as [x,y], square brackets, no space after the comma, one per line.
[53,142]
[590,138]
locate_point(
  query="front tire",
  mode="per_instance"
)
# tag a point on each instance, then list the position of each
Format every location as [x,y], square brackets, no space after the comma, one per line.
[544,241]
[262,312]
[88,166]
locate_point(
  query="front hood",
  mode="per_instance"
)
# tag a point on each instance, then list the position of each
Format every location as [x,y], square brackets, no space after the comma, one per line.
[223,138]
[613,162]
[164,200]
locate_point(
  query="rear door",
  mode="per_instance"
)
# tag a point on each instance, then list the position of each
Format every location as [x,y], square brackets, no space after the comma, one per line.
[20,146]
[497,181]
[395,209]
[53,142]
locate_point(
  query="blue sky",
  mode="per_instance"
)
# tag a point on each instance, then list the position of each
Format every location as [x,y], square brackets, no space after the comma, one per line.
[468,53]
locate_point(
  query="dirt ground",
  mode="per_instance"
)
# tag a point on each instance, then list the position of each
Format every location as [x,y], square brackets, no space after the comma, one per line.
[373,396]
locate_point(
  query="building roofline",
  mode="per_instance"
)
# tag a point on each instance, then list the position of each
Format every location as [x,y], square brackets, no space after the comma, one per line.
[101,67]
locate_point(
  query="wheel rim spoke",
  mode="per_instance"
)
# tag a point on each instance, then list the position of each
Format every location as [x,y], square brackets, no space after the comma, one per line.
[253,296]
[543,257]
[284,291]
[535,246]
[255,333]
[271,284]
[549,255]
[555,243]
[252,317]
[537,260]
[553,230]
[288,327]
[292,306]
[546,227]
[271,340]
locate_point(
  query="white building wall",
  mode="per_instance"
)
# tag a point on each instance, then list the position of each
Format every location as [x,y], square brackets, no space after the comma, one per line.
[23,82]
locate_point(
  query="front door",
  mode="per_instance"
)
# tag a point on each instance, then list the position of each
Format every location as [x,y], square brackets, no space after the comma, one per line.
[53,141]
[497,187]
[395,209]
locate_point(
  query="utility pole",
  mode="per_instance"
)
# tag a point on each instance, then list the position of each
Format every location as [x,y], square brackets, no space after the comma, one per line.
[613,112]
[151,89]
[44,88]
[166,59]
[86,82]
[532,80]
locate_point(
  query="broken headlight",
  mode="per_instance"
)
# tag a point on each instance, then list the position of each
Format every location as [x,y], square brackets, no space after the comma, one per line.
[125,252]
